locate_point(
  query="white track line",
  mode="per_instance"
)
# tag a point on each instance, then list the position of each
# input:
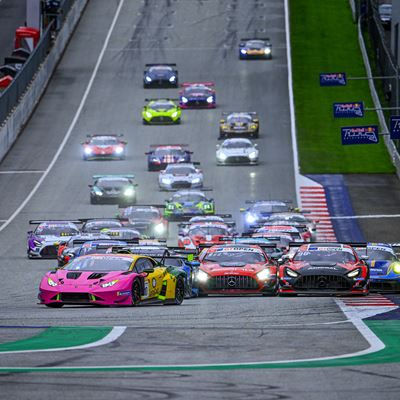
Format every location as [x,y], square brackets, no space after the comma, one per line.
[73,123]
[115,333]
[22,172]
[291,105]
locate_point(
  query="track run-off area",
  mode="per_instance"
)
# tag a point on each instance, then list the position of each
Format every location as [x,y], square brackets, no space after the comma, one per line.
[215,347]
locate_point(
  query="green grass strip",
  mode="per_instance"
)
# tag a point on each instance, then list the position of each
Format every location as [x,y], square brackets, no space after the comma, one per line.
[387,331]
[324,39]
[59,337]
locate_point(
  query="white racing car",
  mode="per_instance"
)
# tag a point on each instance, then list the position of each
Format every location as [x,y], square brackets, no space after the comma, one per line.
[180,176]
[237,151]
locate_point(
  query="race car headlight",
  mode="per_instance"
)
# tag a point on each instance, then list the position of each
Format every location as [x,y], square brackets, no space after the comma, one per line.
[251,218]
[51,282]
[243,51]
[119,150]
[267,50]
[184,99]
[148,79]
[291,273]
[98,192]
[264,274]
[129,192]
[109,284]
[210,99]
[172,79]
[354,273]
[148,114]
[88,150]
[201,276]
[37,243]
[196,180]
[159,228]
[174,114]
[222,156]
[254,126]
[396,268]
[166,181]
[253,155]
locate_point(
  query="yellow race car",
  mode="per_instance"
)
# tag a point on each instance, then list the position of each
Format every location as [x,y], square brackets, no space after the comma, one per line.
[112,279]
[239,124]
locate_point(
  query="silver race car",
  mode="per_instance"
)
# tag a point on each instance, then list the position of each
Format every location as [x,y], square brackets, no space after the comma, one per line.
[237,151]
[180,176]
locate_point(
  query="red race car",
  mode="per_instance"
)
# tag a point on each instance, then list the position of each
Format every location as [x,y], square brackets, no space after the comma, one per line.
[104,147]
[324,268]
[204,233]
[197,95]
[236,269]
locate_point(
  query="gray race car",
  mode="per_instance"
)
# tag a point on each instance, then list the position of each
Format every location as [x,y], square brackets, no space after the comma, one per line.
[237,151]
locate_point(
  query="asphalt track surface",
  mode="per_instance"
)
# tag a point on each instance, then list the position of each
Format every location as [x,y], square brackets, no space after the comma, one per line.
[201,37]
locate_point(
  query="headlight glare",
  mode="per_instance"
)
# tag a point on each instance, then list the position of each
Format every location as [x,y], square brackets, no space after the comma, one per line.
[243,51]
[264,274]
[253,155]
[148,79]
[251,218]
[159,228]
[267,50]
[88,150]
[354,273]
[291,273]
[184,99]
[210,99]
[396,268]
[109,284]
[174,114]
[196,180]
[172,79]
[148,114]
[201,276]
[129,192]
[221,156]
[51,282]
[119,149]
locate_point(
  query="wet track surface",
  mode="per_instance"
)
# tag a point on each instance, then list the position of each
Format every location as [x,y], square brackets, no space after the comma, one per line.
[201,38]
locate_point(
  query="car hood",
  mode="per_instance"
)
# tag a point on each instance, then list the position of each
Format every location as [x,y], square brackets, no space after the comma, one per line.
[321,267]
[238,152]
[84,277]
[231,268]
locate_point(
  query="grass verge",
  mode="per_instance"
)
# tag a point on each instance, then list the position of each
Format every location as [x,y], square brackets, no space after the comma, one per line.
[324,39]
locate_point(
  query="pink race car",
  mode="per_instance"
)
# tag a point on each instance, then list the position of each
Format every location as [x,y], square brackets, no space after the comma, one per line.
[111,280]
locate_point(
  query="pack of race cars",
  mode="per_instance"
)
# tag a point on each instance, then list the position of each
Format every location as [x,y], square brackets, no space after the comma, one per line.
[125,260]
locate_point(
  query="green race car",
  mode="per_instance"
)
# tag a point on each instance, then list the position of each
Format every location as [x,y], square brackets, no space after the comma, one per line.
[161,111]
[188,203]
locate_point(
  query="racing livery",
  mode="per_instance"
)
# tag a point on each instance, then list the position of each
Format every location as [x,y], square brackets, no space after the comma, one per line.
[44,240]
[186,203]
[197,95]
[98,147]
[180,176]
[255,48]
[146,219]
[124,233]
[165,154]
[95,225]
[161,111]
[160,75]
[237,152]
[324,268]
[239,124]
[236,269]
[112,280]
[384,266]
[113,189]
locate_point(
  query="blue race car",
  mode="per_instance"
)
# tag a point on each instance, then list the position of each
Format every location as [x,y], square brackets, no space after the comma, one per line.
[163,154]
[255,49]
[384,266]
[260,210]
[160,75]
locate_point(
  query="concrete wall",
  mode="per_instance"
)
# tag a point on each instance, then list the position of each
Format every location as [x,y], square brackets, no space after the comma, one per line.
[13,126]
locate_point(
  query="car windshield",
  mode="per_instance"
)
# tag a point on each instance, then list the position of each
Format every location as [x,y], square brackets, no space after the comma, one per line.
[332,254]
[269,208]
[162,152]
[248,257]
[99,248]
[99,264]
[56,230]
[208,230]
[103,141]
[242,144]
[385,8]
[141,213]
[188,197]
[160,68]
[162,106]
[198,89]
[239,118]
[96,226]
[377,254]
[170,261]
[257,44]
[181,170]
[105,182]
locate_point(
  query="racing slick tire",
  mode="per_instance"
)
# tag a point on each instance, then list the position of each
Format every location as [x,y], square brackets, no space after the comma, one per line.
[255,134]
[145,122]
[54,305]
[270,294]
[93,201]
[177,122]
[179,293]
[136,293]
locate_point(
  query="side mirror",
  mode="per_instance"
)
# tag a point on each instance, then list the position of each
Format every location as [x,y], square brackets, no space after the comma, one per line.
[90,186]
[147,153]
[255,145]
[29,232]
[210,200]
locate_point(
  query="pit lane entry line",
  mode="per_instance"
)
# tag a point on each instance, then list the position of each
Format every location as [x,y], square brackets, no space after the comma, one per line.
[73,122]
[53,336]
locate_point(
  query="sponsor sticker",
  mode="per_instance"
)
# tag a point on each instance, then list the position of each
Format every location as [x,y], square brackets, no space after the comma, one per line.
[333,79]
[348,110]
[360,135]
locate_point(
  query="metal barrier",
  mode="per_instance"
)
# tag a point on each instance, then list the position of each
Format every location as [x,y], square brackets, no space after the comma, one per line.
[10,97]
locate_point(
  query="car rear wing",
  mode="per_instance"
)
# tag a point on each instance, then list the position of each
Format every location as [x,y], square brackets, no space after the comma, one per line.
[160,65]
[248,241]
[147,100]
[41,221]
[269,200]
[104,134]
[225,113]
[188,84]
[243,40]
[169,145]
[121,207]
[117,219]
[78,242]
[128,176]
